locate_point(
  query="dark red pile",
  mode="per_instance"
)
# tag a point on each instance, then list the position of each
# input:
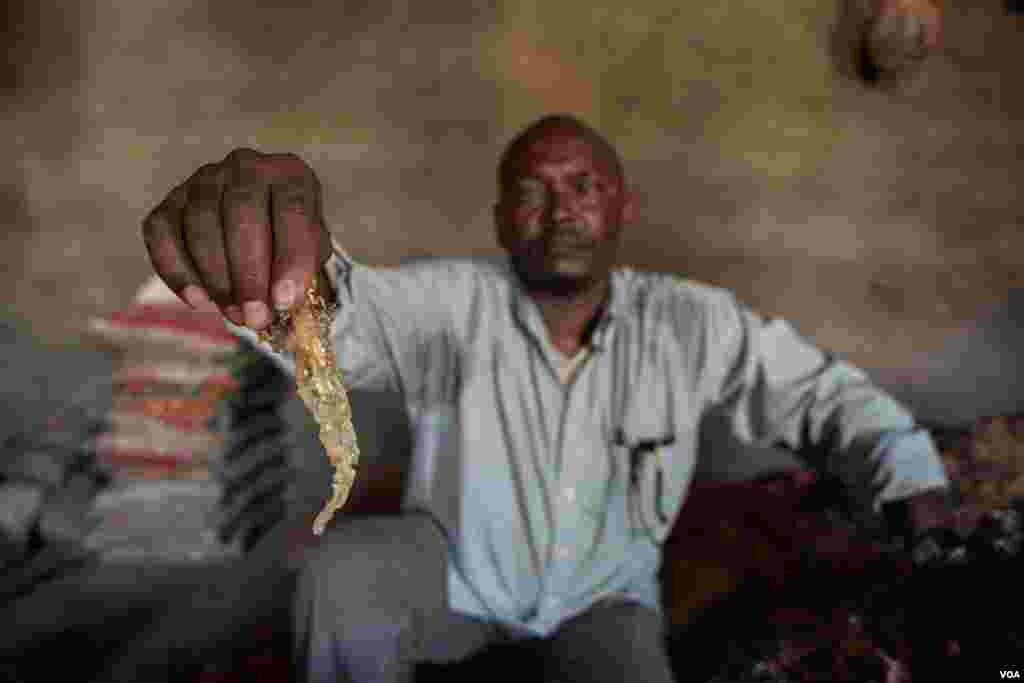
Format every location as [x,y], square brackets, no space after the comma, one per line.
[825,604]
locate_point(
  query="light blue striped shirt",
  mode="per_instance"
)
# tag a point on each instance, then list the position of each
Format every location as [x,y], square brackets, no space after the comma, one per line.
[556,494]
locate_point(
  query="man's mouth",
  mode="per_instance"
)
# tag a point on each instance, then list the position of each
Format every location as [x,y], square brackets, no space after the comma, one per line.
[559,242]
[565,245]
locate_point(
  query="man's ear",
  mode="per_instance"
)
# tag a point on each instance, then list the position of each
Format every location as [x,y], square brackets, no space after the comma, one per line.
[500,224]
[629,206]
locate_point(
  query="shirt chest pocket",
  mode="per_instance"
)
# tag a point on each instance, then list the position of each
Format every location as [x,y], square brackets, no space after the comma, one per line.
[649,500]
[650,445]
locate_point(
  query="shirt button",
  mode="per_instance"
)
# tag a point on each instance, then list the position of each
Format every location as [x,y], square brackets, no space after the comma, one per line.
[570,494]
[563,552]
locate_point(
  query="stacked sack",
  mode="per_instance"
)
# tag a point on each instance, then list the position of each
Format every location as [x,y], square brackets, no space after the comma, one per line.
[257,465]
[52,404]
[173,368]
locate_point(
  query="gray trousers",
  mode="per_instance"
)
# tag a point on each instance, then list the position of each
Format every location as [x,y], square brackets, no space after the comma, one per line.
[372,601]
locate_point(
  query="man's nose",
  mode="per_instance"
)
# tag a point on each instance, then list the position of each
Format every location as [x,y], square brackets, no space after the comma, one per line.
[563,206]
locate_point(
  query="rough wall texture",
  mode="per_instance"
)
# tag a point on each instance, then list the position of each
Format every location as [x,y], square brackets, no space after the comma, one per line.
[879,221]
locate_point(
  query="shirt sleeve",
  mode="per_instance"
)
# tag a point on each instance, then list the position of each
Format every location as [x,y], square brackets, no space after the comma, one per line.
[388,323]
[776,387]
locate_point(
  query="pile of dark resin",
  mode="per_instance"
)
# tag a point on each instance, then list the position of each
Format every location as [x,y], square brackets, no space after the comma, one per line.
[944,609]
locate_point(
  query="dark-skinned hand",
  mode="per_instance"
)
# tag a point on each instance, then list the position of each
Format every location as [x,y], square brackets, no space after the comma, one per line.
[242,236]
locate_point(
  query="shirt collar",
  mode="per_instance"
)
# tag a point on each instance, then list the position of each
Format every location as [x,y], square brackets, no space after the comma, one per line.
[527,314]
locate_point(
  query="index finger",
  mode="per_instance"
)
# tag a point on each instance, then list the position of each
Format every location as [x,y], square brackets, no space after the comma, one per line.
[165,243]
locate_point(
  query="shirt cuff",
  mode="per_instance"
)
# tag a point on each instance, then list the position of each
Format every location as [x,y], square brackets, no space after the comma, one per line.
[914,464]
[338,265]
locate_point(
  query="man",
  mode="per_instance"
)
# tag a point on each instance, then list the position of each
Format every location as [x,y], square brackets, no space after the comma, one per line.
[555,401]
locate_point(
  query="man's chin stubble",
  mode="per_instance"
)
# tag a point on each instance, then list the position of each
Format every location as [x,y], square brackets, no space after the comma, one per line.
[554,283]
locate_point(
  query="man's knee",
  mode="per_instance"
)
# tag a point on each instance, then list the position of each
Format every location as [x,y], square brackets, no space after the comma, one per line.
[364,593]
[372,569]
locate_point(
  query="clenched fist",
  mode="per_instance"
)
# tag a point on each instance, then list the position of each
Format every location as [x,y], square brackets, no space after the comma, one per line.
[241,235]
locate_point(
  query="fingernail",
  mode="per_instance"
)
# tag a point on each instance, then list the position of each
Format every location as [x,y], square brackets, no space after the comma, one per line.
[257,315]
[196,298]
[234,314]
[284,295]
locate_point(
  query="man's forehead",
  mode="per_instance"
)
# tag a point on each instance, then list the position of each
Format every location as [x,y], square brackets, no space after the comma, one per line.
[562,148]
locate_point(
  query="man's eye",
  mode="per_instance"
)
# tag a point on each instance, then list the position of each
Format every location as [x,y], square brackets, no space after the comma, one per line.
[586,184]
[531,196]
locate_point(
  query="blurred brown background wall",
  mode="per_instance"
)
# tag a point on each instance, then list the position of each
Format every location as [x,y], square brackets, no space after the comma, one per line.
[878,220]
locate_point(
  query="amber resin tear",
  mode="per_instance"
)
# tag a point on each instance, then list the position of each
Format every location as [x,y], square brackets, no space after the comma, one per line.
[305,332]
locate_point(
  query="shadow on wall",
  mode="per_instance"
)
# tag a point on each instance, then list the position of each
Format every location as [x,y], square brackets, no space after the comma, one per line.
[976,373]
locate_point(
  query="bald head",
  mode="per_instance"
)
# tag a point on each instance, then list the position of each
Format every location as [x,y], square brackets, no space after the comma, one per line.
[560,124]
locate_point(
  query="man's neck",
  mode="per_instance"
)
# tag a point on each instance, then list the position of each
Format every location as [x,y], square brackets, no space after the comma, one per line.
[570,317]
